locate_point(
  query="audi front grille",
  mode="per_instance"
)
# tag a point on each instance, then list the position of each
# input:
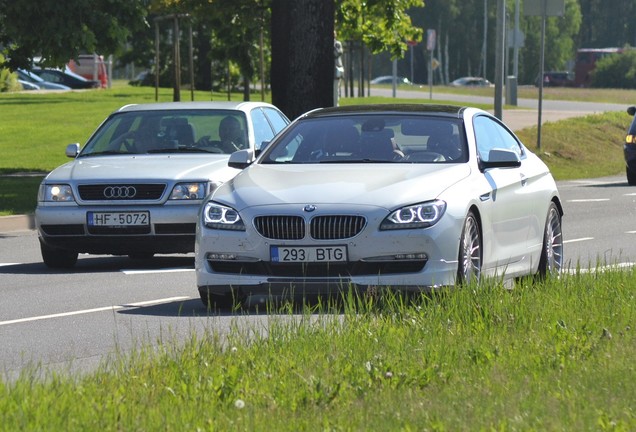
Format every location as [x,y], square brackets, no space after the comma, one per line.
[336,227]
[280,227]
[121,192]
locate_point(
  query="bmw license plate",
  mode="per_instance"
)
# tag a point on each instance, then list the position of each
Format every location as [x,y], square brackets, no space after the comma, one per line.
[118,219]
[286,254]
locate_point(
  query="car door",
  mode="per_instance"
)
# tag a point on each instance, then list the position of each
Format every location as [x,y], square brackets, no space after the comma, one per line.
[508,206]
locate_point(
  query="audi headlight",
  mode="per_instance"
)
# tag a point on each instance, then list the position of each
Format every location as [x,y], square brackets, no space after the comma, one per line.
[55,193]
[216,216]
[189,191]
[415,216]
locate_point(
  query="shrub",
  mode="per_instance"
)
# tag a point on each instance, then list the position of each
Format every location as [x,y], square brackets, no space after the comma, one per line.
[616,70]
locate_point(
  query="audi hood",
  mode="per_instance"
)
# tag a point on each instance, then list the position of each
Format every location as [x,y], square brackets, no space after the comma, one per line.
[163,167]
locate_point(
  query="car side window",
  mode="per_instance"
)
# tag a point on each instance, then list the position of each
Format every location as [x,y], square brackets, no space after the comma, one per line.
[490,135]
[276,118]
[262,129]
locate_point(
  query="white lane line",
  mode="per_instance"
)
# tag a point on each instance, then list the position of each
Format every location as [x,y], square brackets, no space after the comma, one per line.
[8,264]
[100,309]
[174,270]
[630,232]
[579,240]
[588,200]
[601,269]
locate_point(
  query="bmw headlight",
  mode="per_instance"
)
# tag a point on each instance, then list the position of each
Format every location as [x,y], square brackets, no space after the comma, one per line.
[56,193]
[189,191]
[217,216]
[415,216]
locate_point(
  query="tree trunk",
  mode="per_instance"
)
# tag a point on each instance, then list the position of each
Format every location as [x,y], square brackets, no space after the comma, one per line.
[302,71]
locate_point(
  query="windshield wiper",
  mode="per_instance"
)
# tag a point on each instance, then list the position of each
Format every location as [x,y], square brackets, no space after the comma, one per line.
[105,152]
[179,150]
[339,161]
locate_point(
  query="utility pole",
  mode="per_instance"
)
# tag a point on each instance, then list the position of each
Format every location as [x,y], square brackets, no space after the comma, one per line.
[500,58]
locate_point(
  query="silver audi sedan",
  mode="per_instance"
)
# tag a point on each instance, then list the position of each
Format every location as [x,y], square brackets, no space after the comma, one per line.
[410,197]
[135,188]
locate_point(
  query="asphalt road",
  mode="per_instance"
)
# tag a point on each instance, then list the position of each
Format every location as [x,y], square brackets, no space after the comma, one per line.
[74,320]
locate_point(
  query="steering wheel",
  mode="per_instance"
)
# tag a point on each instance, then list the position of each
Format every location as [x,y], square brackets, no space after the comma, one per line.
[209,145]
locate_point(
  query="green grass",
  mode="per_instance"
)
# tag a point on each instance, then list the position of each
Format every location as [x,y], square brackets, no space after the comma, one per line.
[554,355]
[36,128]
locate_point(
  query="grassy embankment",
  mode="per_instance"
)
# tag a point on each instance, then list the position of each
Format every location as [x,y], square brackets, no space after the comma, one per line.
[544,356]
[36,127]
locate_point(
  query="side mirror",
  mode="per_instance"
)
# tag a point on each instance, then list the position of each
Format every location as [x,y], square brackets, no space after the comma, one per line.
[72,150]
[241,159]
[631,110]
[502,158]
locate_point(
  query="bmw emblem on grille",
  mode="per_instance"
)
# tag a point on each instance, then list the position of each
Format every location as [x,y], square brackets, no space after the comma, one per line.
[309,208]
[119,192]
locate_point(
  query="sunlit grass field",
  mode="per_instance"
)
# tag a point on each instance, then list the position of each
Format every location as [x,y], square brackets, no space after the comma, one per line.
[544,356]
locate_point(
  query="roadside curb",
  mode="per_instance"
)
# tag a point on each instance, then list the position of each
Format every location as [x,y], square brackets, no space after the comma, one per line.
[15,223]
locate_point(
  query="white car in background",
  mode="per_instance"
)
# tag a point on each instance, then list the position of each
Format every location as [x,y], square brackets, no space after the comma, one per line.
[410,197]
[137,185]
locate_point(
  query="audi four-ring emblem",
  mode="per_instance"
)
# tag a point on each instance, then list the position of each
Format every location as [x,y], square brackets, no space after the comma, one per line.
[111,192]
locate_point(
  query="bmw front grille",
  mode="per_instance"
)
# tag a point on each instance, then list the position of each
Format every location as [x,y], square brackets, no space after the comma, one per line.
[332,227]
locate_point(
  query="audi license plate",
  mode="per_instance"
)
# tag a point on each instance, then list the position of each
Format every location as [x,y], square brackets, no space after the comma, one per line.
[286,254]
[118,219]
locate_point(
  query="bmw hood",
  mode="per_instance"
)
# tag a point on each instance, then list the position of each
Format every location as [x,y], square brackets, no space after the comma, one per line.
[382,185]
[144,167]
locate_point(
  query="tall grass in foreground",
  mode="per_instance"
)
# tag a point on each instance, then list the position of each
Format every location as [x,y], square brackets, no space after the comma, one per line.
[554,355]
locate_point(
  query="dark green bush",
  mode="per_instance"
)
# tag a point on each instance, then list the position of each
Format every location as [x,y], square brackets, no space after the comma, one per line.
[616,71]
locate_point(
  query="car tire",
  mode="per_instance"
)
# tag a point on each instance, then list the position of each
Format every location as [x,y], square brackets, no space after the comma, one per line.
[470,251]
[216,302]
[551,261]
[631,176]
[57,258]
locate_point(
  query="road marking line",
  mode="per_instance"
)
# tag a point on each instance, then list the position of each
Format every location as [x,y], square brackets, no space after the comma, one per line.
[578,240]
[8,264]
[589,200]
[630,232]
[175,270]
[100,309]
[617,266]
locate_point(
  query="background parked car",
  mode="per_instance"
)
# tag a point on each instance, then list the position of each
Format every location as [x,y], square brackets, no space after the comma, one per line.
[31,77]
[65,77]
[470,81]
[405,197]
[28,85]
[388,79]
[629,149]
[91,67]
[557,79]
[137,185]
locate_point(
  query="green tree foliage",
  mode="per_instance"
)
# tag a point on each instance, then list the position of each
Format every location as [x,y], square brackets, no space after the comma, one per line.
[607,23]
[380,24]
[559,49]
[616,71]
[58,31]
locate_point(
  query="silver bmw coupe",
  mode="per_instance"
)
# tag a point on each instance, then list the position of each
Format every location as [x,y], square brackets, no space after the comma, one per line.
[410,197]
